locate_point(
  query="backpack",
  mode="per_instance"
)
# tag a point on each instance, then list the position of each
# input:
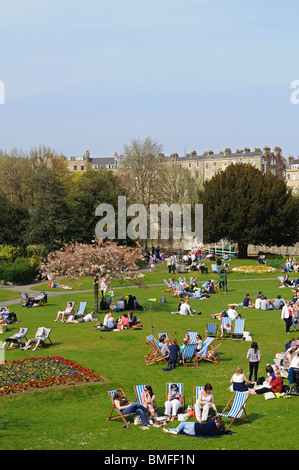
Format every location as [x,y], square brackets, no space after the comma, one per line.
[163,299]
[104,305]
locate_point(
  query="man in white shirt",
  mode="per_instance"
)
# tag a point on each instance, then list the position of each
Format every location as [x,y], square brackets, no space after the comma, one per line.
[232,312]
[185,309]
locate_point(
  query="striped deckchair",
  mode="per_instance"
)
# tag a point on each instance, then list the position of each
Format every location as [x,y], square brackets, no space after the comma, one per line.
[239,326]
[189,357]
[211,330]
[237,409]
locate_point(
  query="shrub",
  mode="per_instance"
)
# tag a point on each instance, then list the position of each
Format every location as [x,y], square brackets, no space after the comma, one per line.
[8,253]
[19,272]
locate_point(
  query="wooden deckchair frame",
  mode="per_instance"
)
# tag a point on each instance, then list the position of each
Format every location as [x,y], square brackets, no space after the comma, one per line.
[236,411]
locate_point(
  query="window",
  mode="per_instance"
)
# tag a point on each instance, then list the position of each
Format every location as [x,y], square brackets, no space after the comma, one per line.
[190,165]
[207,166]
[82,167]
[75,167]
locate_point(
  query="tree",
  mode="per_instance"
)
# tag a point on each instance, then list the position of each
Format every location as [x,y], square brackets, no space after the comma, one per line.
[96,260]
[142,171]
[13,222]
[88,190]
[246,207]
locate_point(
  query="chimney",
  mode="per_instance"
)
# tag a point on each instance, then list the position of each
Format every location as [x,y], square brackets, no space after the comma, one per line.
[277,151]
[87,155]
[290,159]
[246,150]
[227,152]
[266,150]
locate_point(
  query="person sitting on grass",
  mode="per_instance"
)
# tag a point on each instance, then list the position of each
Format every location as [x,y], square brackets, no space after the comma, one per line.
[87,318]
[210,429]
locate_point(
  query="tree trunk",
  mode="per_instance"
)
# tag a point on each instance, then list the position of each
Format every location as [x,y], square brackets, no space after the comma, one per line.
[242,247]
[96,294]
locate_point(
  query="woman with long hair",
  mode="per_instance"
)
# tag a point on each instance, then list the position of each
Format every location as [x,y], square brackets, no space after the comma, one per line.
[254,358]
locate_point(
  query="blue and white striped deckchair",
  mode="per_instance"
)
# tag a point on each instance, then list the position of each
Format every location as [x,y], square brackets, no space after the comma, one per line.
[138,389]
[239,327]
[180,390]
[196,390]
[226,321]
[237,408]
[211,330]
[192,336]
[154,354]
[81,309]
[205,348]
[189,357]
[168,286]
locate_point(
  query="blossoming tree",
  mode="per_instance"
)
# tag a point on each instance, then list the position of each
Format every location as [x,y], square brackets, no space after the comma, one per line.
[98,259]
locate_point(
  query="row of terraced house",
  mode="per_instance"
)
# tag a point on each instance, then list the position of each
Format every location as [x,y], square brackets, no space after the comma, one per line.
[206,165]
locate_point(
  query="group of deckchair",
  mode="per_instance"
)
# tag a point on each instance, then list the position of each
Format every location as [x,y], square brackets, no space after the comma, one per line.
[81,308]
[236,328]
[23,338]
[39,300]
[189,356]
[233,410]
[177,289]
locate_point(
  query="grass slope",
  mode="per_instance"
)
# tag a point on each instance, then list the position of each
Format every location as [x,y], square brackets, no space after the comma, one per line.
[74,417]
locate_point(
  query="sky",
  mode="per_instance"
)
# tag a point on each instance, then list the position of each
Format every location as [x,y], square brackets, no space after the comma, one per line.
[191,74]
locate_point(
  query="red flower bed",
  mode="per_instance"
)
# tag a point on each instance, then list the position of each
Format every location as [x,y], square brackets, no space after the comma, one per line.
[41,372]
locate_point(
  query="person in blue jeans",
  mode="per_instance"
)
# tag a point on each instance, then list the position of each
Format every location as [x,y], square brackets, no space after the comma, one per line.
[210,428]
[123,405]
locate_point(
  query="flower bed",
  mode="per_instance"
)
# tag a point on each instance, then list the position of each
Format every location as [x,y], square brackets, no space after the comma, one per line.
[41,372]
[263,268]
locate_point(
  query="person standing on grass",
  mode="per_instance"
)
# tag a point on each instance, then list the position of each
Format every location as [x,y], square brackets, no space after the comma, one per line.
[287,315]
[254,358]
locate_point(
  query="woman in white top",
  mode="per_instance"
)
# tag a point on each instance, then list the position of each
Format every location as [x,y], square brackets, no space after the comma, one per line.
[239,381]
[148,399]
[204,403]
[287,315]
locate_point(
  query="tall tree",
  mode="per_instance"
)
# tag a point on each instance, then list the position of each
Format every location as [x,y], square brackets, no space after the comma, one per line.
[246,207]
[96,260]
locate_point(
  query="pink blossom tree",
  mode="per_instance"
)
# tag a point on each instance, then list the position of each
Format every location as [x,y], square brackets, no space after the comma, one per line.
[98,259]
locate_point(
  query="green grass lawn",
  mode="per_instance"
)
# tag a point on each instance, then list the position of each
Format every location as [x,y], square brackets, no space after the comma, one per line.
[74,417]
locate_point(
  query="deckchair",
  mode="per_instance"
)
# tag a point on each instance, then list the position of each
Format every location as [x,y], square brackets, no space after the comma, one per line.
[189,358]
[196,390]
[176,290]
[211,330]
[239,325]
[182,279]
[217,286]
[21,338]
[48,331]
[226,321]
[214,268]
[281,279]
[24,298]
[155,354]
[180,390]
[40,300]
[118,415]
[168,286]
[205,348]
[81,309]
[192,336]
[212,355]
[237,408]
[138,389]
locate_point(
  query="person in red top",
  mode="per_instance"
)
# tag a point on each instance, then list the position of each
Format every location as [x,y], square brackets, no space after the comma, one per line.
[123,322]
[275,384]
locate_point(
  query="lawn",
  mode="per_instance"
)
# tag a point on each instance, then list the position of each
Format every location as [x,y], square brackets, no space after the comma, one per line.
[74,416]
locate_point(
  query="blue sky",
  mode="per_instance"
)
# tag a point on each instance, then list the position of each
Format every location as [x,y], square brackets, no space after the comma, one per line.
[191,74]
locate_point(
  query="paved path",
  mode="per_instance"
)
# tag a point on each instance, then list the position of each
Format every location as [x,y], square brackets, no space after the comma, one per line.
[33,293]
